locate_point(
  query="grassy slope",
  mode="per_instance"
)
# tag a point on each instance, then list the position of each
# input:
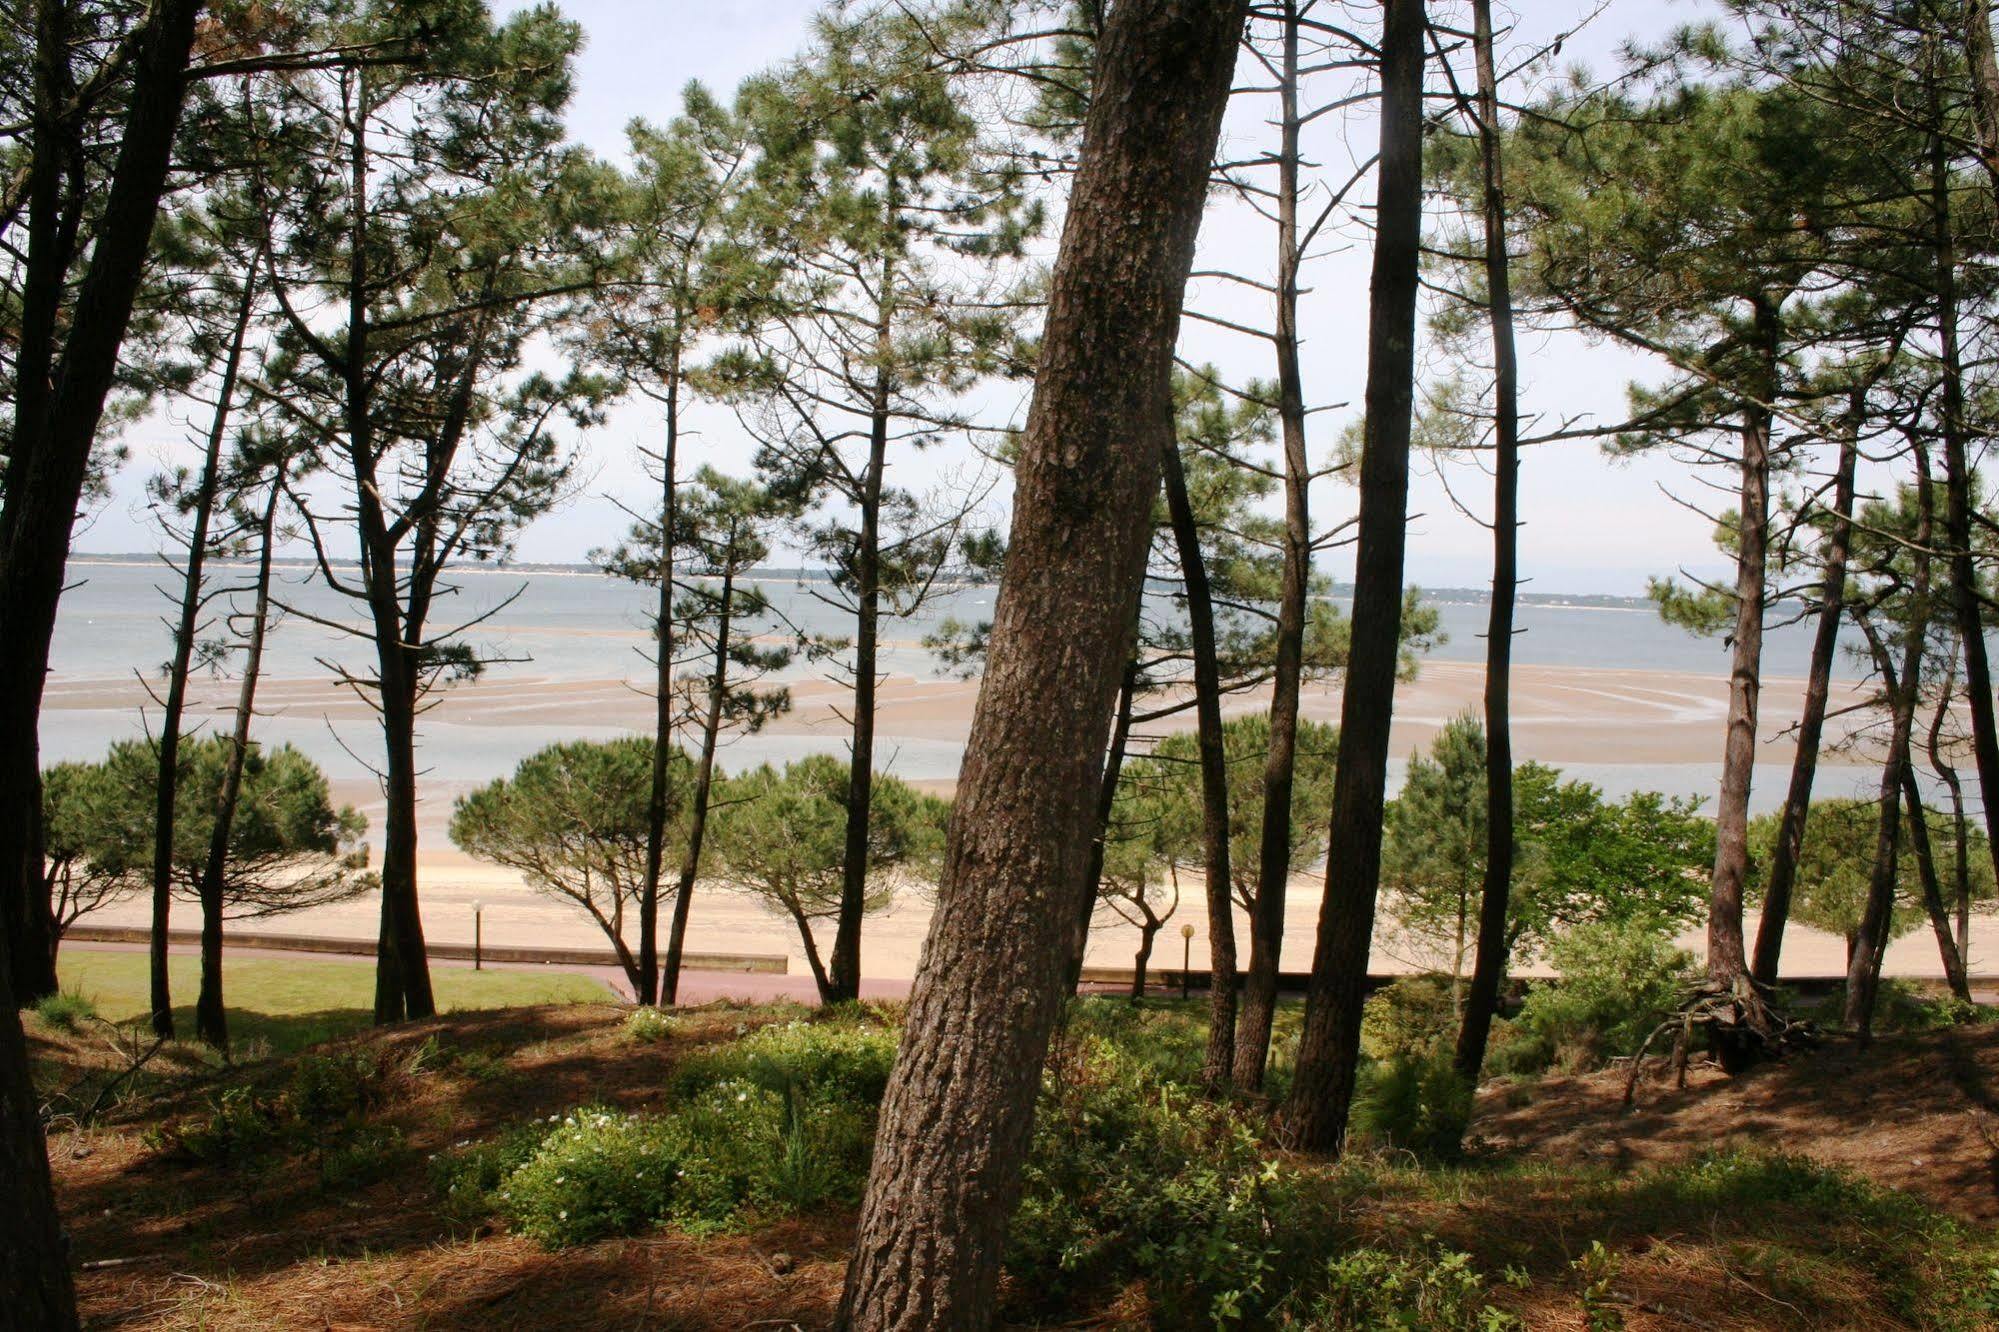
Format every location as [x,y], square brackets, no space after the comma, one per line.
[301,1241]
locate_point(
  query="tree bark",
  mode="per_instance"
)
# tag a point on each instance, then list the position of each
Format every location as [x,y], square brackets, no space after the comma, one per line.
[1214,776]
[704,785]
[959,1107]
[1114,757]
[1984,84]
[1903,685]
[1965,599]
[649,986]
[1727,959]
[1489,963]
[211,1019]
[1314,1116]
[59,400]
[1933,900]
[35,1285]
[1273,861]
[1811,719]
[167,785]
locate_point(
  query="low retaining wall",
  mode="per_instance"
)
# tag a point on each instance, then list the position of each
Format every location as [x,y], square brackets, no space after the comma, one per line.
[773,964]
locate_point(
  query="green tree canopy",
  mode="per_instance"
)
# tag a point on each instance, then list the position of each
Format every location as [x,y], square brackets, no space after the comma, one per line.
[780,835]
[290,847]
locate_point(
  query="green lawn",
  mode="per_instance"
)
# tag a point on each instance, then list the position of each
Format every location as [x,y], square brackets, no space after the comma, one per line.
[290,1004]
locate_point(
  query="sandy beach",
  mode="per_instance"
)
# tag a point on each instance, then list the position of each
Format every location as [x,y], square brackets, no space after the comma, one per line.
[1624,729]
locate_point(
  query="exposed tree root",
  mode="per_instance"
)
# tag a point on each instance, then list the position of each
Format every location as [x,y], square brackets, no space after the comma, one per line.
[1743,1028]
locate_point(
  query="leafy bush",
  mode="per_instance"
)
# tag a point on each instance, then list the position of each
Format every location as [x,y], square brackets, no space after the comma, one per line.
[1410,1016]
[66,1010]
[1903,1005]
[1431,1290]
[1414,1103]
[842,1061]
[469,1176]
[648,1025]
[343,1084]
[1615,983]
[1132,1178]
[238,1124]
[598,1173]
[359,1158]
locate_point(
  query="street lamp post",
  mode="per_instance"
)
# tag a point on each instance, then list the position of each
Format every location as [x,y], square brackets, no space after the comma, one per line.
[478,932]
[1186,954]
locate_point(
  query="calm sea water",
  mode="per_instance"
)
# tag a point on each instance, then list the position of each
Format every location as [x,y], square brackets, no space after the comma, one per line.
[577,625]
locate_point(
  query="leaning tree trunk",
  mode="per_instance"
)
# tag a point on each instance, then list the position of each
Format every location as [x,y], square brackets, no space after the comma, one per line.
[1984,85]
[1489,964]
[959,1109]
[1314,1117]
[1934,905]
[1280,764]
[211,1019]
[166,787]
[59,393]
[846,961]
[648,989]
[1214,775]
[1727,959]
[35,1286]
[1966,602]
[704,786]
[1107,785]
[1783,875]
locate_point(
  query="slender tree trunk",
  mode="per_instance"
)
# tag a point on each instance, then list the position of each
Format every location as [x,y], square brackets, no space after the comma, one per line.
[1314,1117]
[1214,776]
[1933,899]
[211,1020]
[1106,802]
[1811,720]
[1965,599]
[167,786]
[959,1109]
[704,785]
[1727,960]
[59,393]
[1903,686]
[1147,934]
[649,987]
[1273,862]
[846,968]
[1491,958]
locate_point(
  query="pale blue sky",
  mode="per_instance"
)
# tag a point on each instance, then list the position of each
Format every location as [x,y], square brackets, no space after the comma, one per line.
[1591,525]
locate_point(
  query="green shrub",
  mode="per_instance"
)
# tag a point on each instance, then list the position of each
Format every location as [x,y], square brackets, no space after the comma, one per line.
[1616,982]
[237,1125]
[469,1176]
[1134,1178]
[66,1010]
[1903,1005]
[1410,1016]
[358,1158]
[343,1084]
[597,1173]
[838,1061]
[648,1025]
[1431,1290]
[1414,1103]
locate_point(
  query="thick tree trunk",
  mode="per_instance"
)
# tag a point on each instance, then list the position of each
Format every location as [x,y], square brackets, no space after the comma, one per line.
[959,1108]
[704,785]
[648,989]
[59,400]
[1984,84]
[1727,959]
[1811,720]
[1273,861]
[846,963]
[1214,775]
[167,784]
[35,1287]
[1489,964]
[402,978]
[211,1020]
[1314,1117]
[1147,934]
